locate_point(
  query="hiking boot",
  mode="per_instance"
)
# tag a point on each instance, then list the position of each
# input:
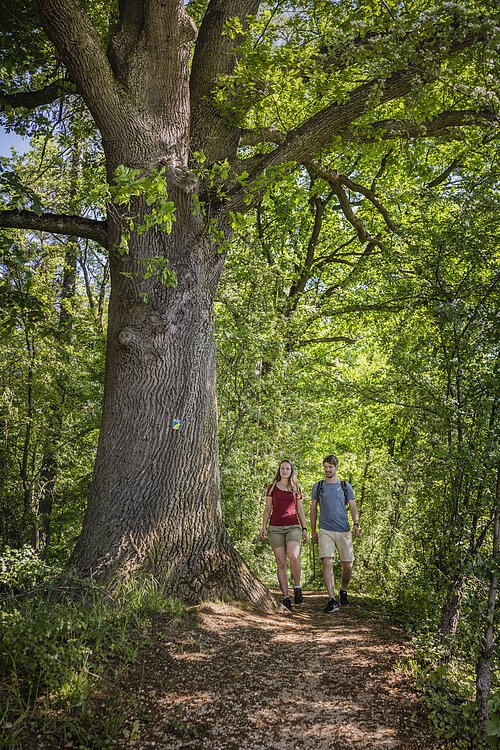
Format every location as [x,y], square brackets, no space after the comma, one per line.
[344,601]
[332,606]
[287,603]
[297,595]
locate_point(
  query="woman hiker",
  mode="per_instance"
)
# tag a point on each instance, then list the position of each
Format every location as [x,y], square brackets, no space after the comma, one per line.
[287,528]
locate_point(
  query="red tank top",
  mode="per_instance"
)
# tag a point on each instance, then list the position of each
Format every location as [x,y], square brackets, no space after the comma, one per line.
[284,508]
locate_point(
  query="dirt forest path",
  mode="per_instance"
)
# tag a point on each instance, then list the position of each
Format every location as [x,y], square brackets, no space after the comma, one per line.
[237,679]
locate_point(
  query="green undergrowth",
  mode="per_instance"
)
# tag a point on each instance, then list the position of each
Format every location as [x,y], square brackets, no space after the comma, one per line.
[446,687]
[64,646]
[442,670]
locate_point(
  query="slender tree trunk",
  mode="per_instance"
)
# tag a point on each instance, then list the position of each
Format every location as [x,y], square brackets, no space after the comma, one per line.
[9,521]
[49,467]
[483,666]
[450,613]
[26,480]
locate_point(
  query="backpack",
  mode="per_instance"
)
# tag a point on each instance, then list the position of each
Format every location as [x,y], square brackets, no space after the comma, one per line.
[342,484]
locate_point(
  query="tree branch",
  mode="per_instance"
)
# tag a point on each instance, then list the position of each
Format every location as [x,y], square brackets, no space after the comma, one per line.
[71,31]
[32,99]
[355,187]
[444,175]
[327,340]
[311,136]
[74,226]
[335,180]
[214,57]
[318,131]
[386,129]
[304,274]
[262,135]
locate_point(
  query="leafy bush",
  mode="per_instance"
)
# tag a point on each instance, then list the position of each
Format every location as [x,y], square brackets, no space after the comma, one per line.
[22,570]
[449,696]
[493,723]
[447,689]
[56,642]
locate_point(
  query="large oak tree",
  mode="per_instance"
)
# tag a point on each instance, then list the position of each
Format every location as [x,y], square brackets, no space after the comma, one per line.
[168,97]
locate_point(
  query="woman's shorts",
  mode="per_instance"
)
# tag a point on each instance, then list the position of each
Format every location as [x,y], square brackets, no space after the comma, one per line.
[329,541]
[279,536]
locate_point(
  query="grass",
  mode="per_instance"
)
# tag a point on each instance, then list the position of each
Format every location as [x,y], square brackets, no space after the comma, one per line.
[64,647]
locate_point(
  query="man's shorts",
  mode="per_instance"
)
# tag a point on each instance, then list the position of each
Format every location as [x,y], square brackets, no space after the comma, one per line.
[339,540]
[279,536]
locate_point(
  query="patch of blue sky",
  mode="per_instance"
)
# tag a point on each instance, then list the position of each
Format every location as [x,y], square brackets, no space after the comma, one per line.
[12,140]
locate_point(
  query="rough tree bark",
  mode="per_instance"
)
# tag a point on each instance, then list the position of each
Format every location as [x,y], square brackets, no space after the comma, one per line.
[450,612]
[155,502]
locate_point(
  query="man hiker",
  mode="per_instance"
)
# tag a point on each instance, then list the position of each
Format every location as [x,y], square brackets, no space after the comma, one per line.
[333,496]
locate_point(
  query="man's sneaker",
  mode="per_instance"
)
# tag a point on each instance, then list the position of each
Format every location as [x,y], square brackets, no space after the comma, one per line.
[344,601]
[332,606]
[297,595]
[287,603]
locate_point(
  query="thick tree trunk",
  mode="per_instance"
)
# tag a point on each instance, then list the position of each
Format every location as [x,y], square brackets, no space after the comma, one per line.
[155,504]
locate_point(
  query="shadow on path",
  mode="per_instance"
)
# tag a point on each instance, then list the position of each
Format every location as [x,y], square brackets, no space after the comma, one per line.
[239,679]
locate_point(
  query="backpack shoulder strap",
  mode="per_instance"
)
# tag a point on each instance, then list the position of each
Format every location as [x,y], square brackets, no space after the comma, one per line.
[319,489]
[344,487]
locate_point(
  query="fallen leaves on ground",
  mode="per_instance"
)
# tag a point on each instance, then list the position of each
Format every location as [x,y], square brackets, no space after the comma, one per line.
[234,679]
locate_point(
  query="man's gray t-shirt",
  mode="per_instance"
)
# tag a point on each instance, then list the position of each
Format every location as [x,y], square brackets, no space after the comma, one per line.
[332,507]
